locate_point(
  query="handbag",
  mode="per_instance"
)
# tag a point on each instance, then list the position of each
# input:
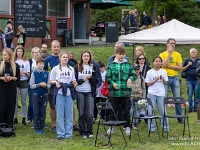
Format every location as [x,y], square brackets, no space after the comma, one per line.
[6,130]
[104,89]
[183,74]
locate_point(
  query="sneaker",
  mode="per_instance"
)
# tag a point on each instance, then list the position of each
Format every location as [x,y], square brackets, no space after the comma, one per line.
[53,129]
[90,136]
[84,136]
[37,131]
[60,138]
[189,111]
[15,121]
[23,121]
[135,126]
[42,132]
[128,131]
[29,121]
[46,126]
[109,131]
[33,127]
[198,121]
[194,110]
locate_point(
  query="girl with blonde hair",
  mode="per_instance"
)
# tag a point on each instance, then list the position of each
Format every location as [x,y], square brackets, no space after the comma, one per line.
[9,73]
[21,34]
[22,86]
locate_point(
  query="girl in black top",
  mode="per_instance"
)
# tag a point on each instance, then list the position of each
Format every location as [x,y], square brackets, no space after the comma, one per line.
[9,73]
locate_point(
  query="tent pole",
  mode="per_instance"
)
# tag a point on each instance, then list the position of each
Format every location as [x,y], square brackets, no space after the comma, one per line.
[133,54]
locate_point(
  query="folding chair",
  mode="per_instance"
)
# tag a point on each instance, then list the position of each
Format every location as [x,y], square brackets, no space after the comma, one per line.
[176,100]
[107,106]
[142,104]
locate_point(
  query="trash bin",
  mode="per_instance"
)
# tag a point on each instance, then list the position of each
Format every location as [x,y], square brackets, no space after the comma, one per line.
[67,37]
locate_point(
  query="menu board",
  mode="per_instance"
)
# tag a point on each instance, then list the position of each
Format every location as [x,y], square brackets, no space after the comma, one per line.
[61,25]
[31,14]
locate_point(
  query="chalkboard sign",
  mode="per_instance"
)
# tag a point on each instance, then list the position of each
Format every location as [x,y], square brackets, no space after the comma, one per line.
[31,14]
[61,25]
[112,32]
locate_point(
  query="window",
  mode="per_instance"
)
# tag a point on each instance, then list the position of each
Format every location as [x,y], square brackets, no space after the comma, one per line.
[58,8]
[5,7]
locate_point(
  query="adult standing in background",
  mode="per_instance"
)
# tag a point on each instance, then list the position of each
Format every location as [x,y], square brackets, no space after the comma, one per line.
[9,73]
[132,19]
[8,34]
[21,35]
[72,58]
[172,63]
[191,79]
[52,61]
[146,21]
[44,51]
[137,18]
[111,58]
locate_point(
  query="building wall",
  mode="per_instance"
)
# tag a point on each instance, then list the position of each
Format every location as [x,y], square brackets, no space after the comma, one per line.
[37,41]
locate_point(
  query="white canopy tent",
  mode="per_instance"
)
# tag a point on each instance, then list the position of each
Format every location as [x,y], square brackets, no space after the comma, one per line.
[182,33]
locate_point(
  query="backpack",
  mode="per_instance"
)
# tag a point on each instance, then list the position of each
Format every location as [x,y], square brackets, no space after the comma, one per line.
[198,69]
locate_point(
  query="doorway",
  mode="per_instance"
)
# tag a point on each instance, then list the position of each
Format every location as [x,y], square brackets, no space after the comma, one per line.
[80,23]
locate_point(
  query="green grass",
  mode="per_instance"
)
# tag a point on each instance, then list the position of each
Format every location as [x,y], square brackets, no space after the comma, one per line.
[27,140]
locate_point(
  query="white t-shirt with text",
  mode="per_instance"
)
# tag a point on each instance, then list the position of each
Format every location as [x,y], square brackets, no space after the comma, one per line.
[24,66]
[64,75]
[85,86]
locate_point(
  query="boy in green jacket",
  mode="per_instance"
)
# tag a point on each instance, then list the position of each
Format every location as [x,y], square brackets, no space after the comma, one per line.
[119,76]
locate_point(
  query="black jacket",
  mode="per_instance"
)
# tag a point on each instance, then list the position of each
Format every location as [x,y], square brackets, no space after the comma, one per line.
[93,80]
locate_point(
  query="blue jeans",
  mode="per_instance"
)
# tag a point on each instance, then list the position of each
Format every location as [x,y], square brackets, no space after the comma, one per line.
[64,114]
[39,110]
[157,99]
[30,105]
[191,88]
[174,83]
[85,103]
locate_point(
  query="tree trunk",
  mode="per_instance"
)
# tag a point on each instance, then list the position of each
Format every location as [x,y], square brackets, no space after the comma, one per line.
[154,11]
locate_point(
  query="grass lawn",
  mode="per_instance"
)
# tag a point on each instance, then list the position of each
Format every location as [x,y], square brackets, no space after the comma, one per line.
[26,139]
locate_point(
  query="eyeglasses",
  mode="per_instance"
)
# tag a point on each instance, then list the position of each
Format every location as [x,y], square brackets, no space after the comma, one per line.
[141,58]
[172,43]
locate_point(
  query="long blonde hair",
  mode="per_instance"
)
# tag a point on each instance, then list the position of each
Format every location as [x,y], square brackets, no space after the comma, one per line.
[12,63]
[15,53]
[20,29]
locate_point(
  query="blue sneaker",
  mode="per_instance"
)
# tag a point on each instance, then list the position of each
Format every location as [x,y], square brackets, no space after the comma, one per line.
[42,132]
[37,131]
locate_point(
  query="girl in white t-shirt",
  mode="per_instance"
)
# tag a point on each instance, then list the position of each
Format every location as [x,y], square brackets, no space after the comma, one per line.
[22,86]
[64,78]
[156,79]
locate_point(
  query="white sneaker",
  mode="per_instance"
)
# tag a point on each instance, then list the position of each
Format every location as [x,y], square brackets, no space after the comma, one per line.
[134,126]
[110,131]
[90,136]
[128,131]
